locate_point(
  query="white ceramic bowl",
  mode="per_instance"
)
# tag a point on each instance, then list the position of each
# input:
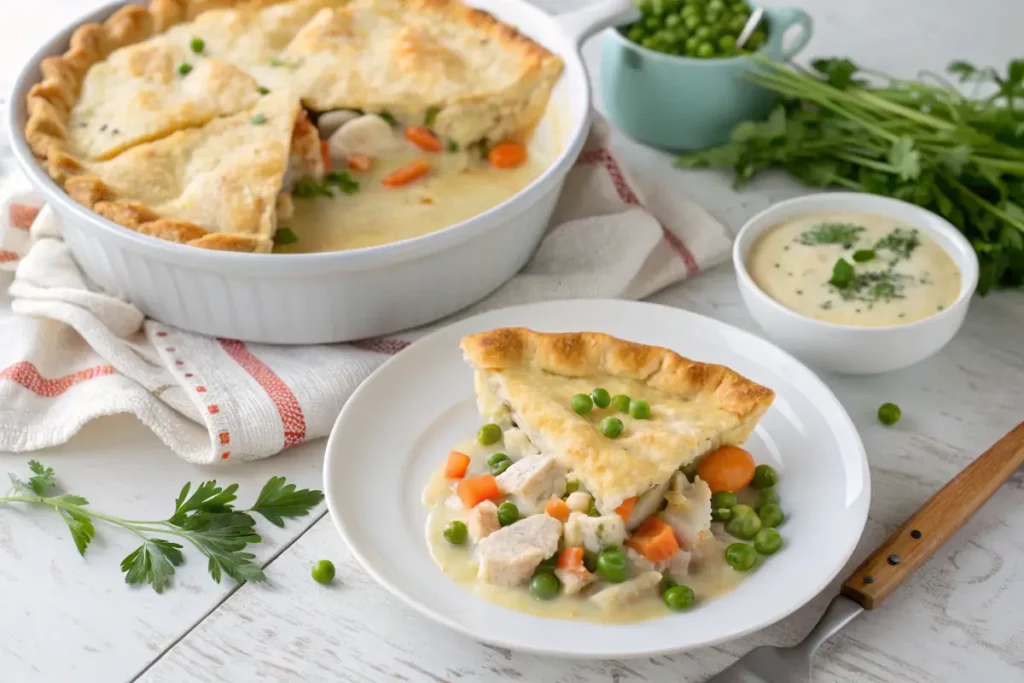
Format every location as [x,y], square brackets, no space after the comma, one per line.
[339,296]
[851,349]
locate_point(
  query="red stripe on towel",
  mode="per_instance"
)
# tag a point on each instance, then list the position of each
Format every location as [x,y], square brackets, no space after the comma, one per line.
[604,157]
[22,215]
[284,400]
[6,256]
[27,375]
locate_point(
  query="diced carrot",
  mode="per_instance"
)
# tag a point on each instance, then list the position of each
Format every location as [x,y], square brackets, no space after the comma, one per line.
[360,162]
[456,466]
[570,558]
[406,174]
[626,509]
[325,154]
[477,489]
[730,468]
[557,508]
[423,138]
[655,540]
[507,155]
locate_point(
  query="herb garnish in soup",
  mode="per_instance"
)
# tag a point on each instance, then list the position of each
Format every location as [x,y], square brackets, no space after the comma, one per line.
[854,269]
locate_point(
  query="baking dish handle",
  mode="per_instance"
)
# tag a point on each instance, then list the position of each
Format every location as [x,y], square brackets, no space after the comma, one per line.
[582,23]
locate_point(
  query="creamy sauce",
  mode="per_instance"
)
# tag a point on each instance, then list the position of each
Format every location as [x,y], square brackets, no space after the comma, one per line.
[709,574]
[458,187]
[908,276]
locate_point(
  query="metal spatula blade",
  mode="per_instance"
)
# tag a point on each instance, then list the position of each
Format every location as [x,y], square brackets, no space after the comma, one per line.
[791,664]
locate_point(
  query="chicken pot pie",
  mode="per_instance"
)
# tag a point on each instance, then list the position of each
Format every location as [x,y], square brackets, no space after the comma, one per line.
[397,100]
[608,483]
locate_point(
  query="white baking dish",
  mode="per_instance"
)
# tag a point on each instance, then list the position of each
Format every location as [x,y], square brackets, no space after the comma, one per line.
[338,296]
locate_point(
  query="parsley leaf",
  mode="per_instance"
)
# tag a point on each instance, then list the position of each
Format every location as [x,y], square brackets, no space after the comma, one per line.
[279,500]
[431,116]
[81,527]
[900,241]
[842,274]
[152,563]
[831,233]
[343,181]
[905,158]
[285,236]
[42,481]
[208,497]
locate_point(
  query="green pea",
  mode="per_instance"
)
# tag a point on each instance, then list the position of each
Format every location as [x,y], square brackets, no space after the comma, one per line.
[738,22]
[692,22]
[705,50]
[500,466]
[690,471]
[571,486]
[744,523]
[756,40]
[455,532]
[545,586]
[490,433]
[611,565]
[771,516]
[621,403]
[601,397]
[636,33]
[592,511]
[727,42]
[197,45]
[702,32]
[672,20]
[494,458]
[768,496]
[679,597]
[590,561]
[582,404]
[741,556]
[611,427]
[658,7]
[548,564]
[767,541]
[716,6]
[640,409]
[723,499]
[721,514]
[764,477]
[323,571]
[508,514]
[649,42]
[889,414]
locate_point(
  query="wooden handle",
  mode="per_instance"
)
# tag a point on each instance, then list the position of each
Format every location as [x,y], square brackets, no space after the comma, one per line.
[935,522]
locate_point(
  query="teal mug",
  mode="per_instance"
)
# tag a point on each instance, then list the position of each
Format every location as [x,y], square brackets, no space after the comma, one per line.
[686,103]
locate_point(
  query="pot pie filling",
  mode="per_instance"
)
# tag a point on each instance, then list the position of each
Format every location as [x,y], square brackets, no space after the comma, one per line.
[358,118]
[607,484]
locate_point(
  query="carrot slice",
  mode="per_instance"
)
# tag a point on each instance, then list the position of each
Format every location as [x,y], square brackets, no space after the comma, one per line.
[557,508]
[507,155]
[360,162]
[655,540]
[570,558]
[456,466]
[423,138]
[626,509]
[325,154]
[476,490]
[730,468]
[406,174]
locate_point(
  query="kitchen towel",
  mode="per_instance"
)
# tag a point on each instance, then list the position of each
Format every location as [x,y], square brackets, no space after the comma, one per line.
[71,353]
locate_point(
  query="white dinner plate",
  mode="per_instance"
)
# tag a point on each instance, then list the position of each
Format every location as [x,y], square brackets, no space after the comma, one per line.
[399,425]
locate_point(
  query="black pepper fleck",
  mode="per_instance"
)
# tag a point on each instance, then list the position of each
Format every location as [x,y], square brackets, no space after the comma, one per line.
[103,127]
[869,579]
[776,265]
[857,310]
[114,131]
[915,534]
[799,292]
[82,124]
[893,560]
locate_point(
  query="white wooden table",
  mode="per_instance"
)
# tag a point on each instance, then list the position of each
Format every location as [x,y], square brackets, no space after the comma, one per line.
[64,618]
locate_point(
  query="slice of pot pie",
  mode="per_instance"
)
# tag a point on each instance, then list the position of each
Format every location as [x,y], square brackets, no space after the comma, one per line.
[529,379]
[220,185]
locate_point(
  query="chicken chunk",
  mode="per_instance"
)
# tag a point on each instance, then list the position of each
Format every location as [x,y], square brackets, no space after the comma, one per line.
[533,481]
[483,520]
[518,445]
[574,581]
[601,532]
[646,505]
[627,592]
[637,563]
[578,501]
[688,511]
[676,567]
[509,555]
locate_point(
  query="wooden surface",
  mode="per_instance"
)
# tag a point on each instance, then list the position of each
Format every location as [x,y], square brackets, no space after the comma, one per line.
[958,619]
[928,529]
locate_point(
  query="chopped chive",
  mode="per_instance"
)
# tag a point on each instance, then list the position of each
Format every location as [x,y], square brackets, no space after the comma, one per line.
[863,255]
[453,146]
[184,68]
[285,236]
[343,181]
[262,90]
[386,115]
[258,119]
[431,116]
[198,45]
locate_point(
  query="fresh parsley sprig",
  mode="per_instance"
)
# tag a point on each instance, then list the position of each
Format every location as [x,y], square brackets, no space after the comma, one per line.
[205,518]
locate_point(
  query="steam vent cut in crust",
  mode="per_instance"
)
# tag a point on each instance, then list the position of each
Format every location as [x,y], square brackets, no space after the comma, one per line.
[193,120]
[529,378]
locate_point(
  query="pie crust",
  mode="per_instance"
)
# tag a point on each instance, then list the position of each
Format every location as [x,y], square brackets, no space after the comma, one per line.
[696,407]
[119,85]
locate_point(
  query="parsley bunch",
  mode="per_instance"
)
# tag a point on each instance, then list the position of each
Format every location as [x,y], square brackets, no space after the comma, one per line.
[922,141]
[206,518]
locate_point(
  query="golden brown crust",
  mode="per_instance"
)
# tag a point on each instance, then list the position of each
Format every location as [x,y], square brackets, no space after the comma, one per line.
[584,354]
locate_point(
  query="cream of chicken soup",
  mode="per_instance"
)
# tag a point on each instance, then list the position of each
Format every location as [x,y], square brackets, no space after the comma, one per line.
[854,269]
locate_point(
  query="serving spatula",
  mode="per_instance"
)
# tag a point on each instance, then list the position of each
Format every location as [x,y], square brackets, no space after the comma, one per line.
[891,563]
